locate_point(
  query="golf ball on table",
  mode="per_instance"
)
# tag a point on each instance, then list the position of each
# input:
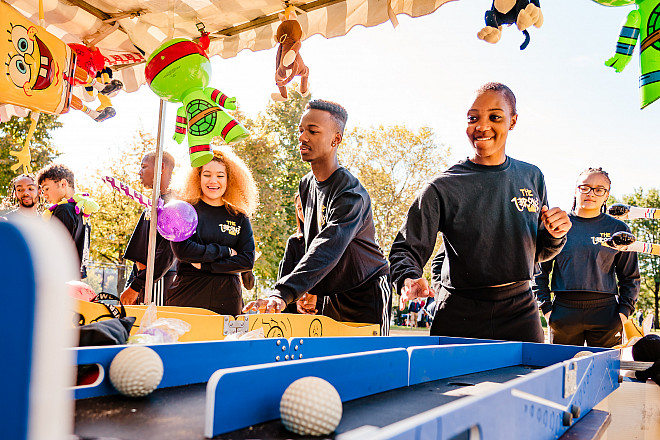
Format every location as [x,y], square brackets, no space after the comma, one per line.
[136,371]
[311,406]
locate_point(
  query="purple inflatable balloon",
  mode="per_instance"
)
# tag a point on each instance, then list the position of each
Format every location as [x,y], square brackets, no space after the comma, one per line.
[177,220]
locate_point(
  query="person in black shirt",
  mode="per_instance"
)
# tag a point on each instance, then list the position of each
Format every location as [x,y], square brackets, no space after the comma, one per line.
[588,305]
[342,261]
[224,195]
[137,248]
[57,185]
[495,224]
[293,253]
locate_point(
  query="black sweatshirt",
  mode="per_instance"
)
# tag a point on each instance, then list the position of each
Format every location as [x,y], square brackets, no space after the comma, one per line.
[218,231]
[490,219]
[138,247]
[66,213]
[293,253]
[341,252]
[585,265]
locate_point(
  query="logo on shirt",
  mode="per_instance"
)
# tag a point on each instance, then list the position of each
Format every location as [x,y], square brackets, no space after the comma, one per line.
[604,236]
[321,217]
[230,228]
[527,200]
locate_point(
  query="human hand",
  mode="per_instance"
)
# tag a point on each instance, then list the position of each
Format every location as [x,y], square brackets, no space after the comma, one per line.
[232,252]
[196,265]
[412,289]
[556,221]
[273,304]
[306,304]
[618,62]
[129,296]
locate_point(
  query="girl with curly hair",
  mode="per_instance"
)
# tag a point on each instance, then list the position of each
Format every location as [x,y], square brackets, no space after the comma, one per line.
[211,261]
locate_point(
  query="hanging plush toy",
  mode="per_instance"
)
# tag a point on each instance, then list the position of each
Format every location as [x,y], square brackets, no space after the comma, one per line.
[289,63]
[524,13]
[92,73]
[179,71]
[642,23]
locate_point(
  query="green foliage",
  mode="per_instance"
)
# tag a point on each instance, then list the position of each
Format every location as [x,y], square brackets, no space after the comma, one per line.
[272,154]
[393,163]
[113,225]
[647,230]
[12,137]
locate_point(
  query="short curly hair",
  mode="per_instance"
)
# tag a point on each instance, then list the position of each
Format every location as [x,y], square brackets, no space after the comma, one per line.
[502,89]
[338,113]
[56,172]
[241,195]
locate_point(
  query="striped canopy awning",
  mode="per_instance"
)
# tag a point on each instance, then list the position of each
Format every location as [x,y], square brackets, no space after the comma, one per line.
[125,29]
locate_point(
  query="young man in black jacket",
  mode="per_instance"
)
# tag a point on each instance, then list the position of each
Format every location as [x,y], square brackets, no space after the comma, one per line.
[57,184]
[342,260]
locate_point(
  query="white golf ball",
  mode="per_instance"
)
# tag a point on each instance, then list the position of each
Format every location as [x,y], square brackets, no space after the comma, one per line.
[136,371]
[311,406]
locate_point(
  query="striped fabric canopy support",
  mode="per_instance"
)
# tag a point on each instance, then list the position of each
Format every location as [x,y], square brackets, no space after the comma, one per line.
[120,29]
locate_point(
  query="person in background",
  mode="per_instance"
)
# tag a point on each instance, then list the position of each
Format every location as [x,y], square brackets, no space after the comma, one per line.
[25,191]
[595,287]
[137,248]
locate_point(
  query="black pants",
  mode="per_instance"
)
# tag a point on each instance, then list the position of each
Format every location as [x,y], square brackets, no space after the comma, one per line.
[596,322]
[508,313]
[370,303]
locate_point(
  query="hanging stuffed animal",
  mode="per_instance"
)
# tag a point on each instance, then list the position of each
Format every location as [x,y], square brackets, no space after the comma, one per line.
[289,63]
[90,70]
[524,13]
[179,71]
[641,24]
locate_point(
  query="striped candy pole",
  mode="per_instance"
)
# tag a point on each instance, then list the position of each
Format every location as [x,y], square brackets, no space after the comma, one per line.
[123,188]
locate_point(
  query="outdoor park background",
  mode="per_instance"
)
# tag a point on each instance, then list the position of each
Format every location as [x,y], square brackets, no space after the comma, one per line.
[574,113]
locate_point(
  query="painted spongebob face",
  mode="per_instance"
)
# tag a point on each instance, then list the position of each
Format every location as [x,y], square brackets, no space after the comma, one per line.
[30,65]
[35,65]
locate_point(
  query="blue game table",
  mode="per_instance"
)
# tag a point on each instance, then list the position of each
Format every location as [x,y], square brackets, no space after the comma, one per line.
[392,387]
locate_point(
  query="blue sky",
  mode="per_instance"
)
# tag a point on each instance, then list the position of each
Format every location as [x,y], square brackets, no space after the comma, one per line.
[573,111]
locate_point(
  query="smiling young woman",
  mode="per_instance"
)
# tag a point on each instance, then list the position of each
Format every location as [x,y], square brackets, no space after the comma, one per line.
[492,212]
[595,287]
[225,196]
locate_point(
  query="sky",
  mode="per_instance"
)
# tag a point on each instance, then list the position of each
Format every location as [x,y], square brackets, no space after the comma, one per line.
[574,112]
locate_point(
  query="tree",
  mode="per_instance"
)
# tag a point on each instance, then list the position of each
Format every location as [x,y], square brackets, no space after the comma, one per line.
[12,137]
[647,230]
[113,225]
[393,163]
[272,154]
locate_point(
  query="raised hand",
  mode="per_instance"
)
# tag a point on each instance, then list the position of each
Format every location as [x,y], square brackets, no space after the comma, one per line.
[556,221]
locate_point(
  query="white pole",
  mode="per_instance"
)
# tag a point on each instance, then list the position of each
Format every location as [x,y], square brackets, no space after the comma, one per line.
[151,255]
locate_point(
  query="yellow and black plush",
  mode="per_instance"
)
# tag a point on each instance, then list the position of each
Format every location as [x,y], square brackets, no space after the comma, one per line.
[524,13]
[289,63]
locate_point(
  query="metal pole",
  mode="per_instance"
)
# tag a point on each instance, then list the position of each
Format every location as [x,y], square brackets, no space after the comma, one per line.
[151,255]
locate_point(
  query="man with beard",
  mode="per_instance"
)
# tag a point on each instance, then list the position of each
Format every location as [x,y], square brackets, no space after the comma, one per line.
[24,189]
